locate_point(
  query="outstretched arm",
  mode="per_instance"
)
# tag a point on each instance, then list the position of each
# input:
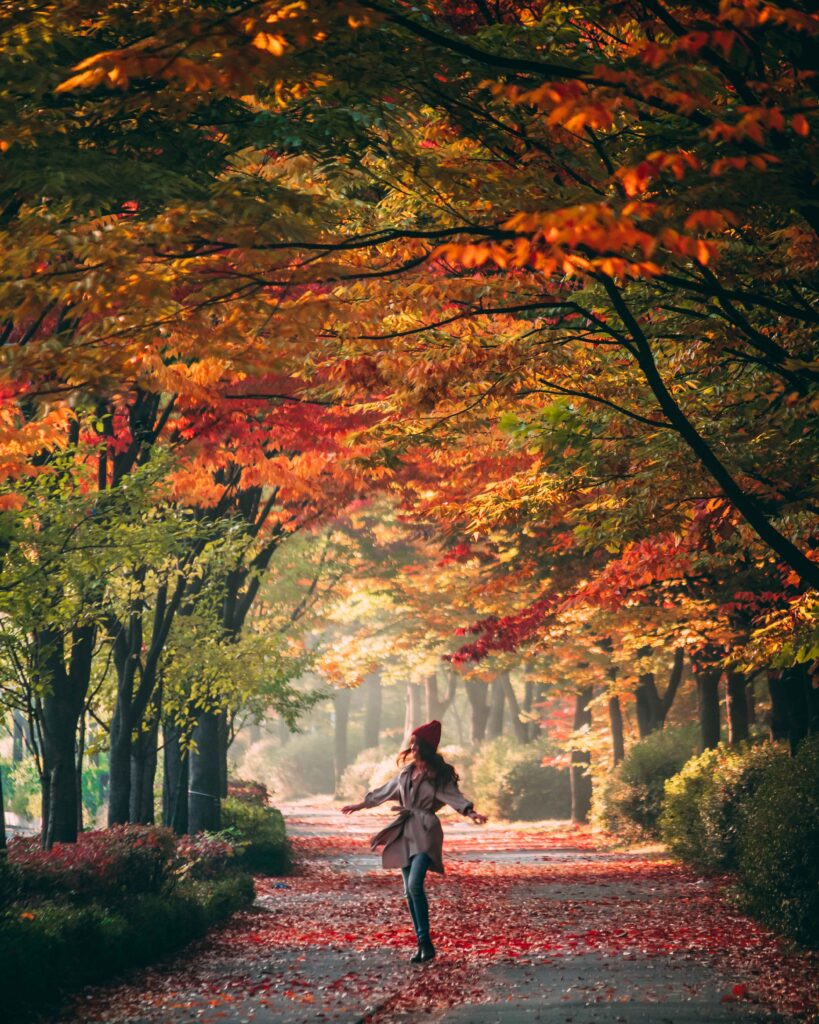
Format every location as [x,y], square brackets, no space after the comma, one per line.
[374,797]
[454,798]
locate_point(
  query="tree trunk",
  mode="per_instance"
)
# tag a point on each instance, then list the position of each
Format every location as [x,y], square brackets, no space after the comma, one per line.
[119,771]
[135,659]
[143,774]
[532,695]
[538,697]
[648,705]
[59,758]
[750,700]
[795,684]
[372,713]
[494,726]
[174,780]
[412,718]
[526,708]
[223,744]
[708,704]
[59,714]
[18,741]
[127,646]
[78,765]
[59,723]
[45,803]
[674,680]
[477,693]
[144,754]
[737,707]
[438,706]
[459,725]
[618,746]
[779,705]
[204,806]
[342,718]
[519,726]
[652,709]
[581,783]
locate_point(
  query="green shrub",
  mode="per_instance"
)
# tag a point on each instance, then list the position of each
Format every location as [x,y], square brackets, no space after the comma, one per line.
[301,767]
[51,948]
[779,847]
[680,823]
[8,883]
[629,800]
[261,835]
[21,788]
[705,804]
[509,781]
[221,899]
[95,788]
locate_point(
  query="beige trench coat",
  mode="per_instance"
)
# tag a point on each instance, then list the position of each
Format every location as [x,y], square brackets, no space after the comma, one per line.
[416,829]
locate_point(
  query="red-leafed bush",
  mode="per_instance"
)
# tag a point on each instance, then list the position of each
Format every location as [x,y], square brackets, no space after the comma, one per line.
[108,864]
[205,856]
[250,791]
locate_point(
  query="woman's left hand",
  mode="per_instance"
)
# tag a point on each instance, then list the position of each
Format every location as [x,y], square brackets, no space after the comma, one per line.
[479,819]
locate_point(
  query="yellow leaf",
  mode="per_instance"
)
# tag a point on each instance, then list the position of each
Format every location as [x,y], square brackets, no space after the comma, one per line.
[270,43]
[85,80]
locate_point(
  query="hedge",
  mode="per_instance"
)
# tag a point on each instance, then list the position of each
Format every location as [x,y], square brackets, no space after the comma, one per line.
[754,810]
[121,897]
[706,803]
[108,865]
[630,800]
[49,949]
[779,847]
[510,781]
[260,835]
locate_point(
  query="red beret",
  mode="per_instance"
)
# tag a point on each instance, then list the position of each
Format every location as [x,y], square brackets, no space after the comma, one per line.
[429,734]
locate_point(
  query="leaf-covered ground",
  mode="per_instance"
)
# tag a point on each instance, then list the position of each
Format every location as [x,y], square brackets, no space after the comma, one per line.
[541,923]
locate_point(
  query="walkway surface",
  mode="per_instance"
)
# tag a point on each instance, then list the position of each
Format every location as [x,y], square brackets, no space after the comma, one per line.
[536,923]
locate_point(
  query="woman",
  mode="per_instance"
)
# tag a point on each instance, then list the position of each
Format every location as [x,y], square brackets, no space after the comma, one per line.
[414,840]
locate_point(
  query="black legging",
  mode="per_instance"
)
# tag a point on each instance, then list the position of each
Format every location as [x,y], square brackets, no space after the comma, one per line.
[414,875]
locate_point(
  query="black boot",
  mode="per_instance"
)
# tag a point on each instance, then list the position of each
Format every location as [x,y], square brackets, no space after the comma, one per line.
[418,955]
[426,951]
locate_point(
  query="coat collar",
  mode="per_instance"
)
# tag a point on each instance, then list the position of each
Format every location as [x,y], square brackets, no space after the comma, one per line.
[410,796]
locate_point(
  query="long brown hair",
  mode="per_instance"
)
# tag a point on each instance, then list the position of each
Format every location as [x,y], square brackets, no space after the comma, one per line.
[442,772]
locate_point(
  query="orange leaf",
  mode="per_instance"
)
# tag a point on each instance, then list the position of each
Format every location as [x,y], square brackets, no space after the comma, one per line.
[270,43]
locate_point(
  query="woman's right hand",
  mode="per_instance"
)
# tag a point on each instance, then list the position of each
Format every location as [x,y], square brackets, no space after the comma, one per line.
[351,808]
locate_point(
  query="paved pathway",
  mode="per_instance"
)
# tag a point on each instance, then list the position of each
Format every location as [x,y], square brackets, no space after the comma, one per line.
[537,923]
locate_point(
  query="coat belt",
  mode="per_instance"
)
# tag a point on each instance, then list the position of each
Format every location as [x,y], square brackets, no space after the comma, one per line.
[396,826]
